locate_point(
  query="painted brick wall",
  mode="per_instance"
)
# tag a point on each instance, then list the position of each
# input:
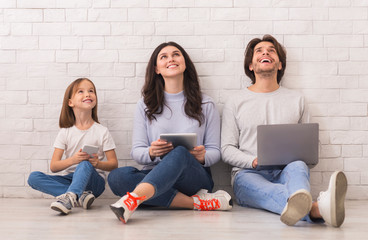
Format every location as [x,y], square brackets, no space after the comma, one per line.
[46,44]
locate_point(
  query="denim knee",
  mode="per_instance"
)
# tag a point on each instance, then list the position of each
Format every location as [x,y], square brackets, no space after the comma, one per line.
[119,174]
[299,165]
[180,155]
[119,179]
[180,150]
[85,164]
[112,179]
[33,177]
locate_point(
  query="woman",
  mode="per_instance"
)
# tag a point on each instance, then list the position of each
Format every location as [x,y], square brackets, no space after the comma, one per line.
[171,177]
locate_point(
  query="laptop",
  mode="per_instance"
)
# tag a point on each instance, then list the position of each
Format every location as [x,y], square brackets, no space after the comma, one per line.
[280,144]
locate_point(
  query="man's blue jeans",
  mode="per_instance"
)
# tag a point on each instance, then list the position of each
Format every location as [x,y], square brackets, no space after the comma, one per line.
[85,178]
[270,189]
[178,171]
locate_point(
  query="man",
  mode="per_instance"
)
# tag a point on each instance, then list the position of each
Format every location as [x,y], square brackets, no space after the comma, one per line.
[287,191]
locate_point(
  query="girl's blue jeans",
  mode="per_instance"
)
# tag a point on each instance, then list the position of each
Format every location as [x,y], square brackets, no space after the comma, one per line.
[84,178]
[270,189]
[178,171]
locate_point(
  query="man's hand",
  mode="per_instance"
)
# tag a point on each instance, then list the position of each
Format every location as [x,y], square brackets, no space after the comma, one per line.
[255,163]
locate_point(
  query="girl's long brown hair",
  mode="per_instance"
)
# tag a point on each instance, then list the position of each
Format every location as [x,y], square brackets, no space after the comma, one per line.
[67,118]
[153,89]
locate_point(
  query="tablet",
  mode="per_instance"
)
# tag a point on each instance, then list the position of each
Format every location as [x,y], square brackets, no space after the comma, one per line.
[187,140]
[90,150]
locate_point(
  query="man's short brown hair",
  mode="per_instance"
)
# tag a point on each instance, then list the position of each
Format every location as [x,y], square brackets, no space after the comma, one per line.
[281,52]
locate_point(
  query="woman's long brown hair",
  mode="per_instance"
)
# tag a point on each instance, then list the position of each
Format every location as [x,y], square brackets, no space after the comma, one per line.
[67,118]
[153,89]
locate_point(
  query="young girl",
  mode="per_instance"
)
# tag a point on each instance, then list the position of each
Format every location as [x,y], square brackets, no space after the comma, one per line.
[79,125]
[172,177]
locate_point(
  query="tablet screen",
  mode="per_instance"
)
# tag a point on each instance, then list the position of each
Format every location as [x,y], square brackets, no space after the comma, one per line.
[187,140]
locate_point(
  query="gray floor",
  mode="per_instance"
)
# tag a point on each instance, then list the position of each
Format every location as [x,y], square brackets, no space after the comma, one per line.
[33,219]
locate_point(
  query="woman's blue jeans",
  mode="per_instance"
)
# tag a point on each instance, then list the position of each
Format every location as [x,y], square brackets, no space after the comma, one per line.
[271,189]
[84,178]
[178,171]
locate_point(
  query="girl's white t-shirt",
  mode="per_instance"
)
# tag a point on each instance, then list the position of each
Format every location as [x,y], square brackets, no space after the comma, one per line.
[72,139]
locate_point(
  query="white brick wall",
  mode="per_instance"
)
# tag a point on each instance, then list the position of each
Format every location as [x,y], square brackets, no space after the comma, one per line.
[44,45]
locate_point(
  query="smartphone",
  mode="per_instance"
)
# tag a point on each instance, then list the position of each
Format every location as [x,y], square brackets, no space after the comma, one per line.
[90,149]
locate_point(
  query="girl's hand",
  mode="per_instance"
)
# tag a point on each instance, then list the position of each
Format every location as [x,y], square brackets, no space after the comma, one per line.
[159,148]
[94,160]
[199,153]
[79,157]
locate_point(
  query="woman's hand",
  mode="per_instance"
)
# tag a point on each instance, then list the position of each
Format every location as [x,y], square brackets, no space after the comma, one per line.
[94,160]
[199,152]
[159,148]
[79,157]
